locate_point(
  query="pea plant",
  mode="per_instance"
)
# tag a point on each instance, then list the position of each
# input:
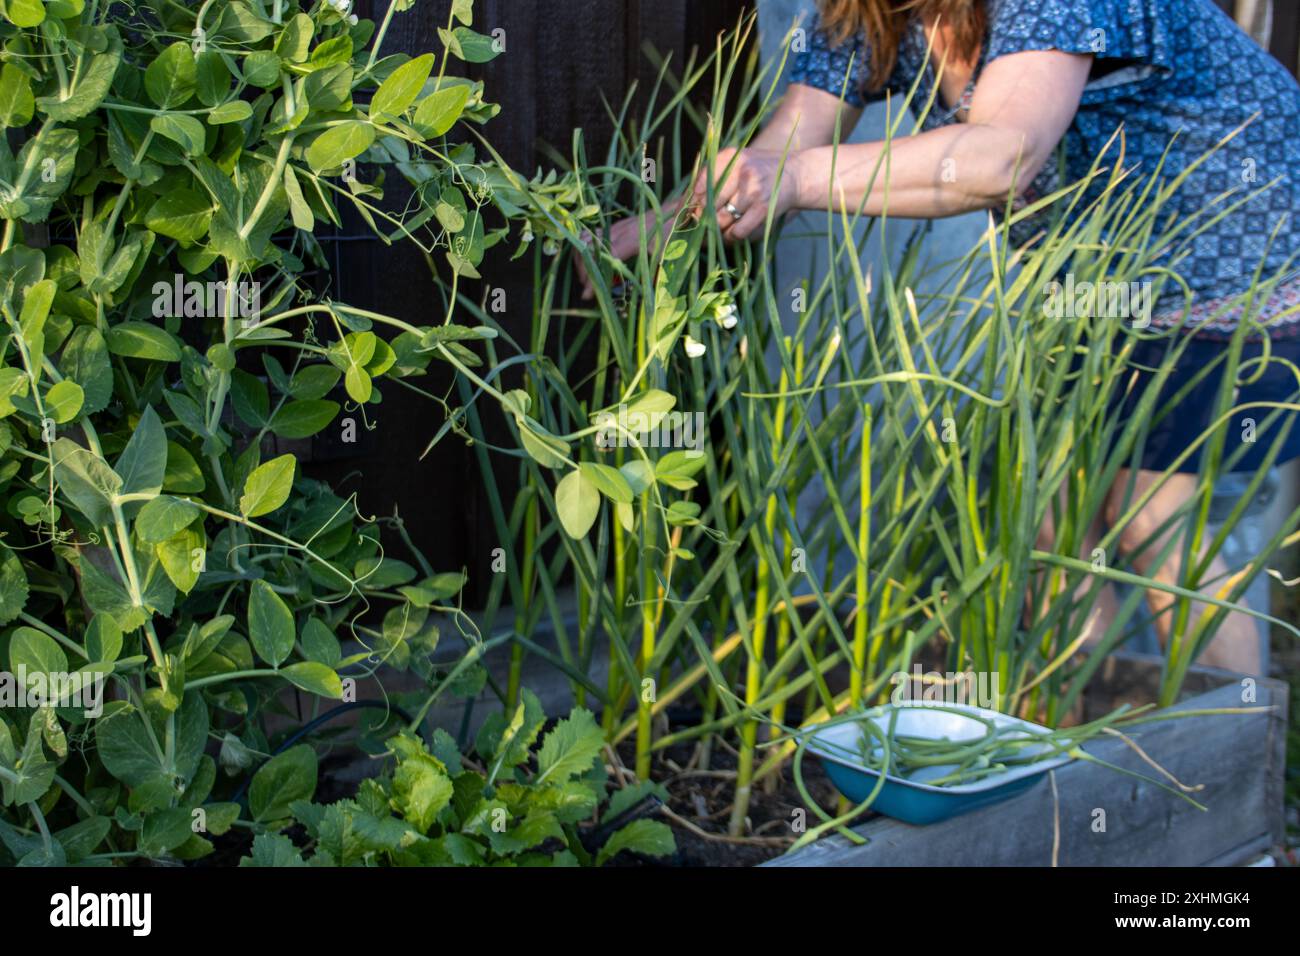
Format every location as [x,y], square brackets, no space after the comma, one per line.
[167,571]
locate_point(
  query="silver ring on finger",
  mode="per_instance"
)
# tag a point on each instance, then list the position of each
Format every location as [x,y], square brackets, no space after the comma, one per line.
[735,213]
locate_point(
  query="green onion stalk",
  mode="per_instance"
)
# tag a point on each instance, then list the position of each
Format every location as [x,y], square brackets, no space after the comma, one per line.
[989,441]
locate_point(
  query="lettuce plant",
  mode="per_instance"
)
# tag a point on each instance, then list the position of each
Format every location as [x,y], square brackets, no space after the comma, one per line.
[509,806]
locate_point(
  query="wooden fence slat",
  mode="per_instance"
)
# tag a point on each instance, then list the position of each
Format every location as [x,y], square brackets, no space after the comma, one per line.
[1286,34]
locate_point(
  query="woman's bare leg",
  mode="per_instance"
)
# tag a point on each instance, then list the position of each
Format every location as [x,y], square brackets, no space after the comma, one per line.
[1105,606]
[1236,645]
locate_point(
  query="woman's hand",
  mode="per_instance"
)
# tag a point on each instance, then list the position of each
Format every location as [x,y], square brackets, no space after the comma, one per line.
[743,199]
[750,186]
[625,240]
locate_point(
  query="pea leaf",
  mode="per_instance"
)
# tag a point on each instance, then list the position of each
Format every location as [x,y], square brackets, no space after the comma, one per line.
[470,46]
[163,517]
[86,480]
[262,69]
[303,419]
[63,401]
[676,468]
[280,782]
[294,42]
[401,88]
[176,555]
[251,400]
[268,487]
[313,381]
[358,384]
[315,678]
[651,402]
[186,131]
[85,361]
[16,100]
[125,746]
[329,89]
[270,624]
[82,838]
[546,450]
[103,639]
[182,474]
[45,170]
[143,341]
[439,111]
[92,82]
[35,310]
[13,585]
[303,217]
[319,643]
[143,461]
[164,830]
[172,77]
[31,775]
[24,13]
[332,148]
[13,383]
[180,214]
[608,481]
[332,52]
[213,79]
[36,652]
[578,503]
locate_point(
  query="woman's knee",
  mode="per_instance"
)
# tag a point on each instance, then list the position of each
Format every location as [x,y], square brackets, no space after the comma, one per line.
[1046,539]
[1138,530]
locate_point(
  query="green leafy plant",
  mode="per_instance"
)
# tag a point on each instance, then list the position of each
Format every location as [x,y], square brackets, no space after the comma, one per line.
[517,805]
[921,439]
[164,355]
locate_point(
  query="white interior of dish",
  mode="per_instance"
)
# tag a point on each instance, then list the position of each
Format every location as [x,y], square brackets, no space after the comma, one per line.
[841,743]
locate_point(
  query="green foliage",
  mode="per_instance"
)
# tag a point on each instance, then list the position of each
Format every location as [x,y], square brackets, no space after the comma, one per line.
[879,454]
[437,808]
[160,342]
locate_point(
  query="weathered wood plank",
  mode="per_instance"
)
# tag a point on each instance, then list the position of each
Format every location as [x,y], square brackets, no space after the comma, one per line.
[1237,759]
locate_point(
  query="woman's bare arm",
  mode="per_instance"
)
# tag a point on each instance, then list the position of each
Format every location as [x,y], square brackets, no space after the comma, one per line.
[1023,105]
[806,117]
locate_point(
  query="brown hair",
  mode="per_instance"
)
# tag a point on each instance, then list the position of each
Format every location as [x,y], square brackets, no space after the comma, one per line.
[882,22]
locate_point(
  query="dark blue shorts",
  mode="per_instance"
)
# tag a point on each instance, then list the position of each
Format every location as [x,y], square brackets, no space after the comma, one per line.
[1174,429]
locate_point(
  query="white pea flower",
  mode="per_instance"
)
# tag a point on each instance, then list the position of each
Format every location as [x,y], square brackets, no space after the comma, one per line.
[527,237]
[551,247]
[694,349]
[353,20]
[724,311]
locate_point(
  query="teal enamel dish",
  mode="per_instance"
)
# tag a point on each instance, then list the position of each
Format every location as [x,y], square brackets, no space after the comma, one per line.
[838,747]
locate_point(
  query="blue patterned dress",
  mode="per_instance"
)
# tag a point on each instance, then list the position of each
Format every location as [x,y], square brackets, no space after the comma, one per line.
[1175,71]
